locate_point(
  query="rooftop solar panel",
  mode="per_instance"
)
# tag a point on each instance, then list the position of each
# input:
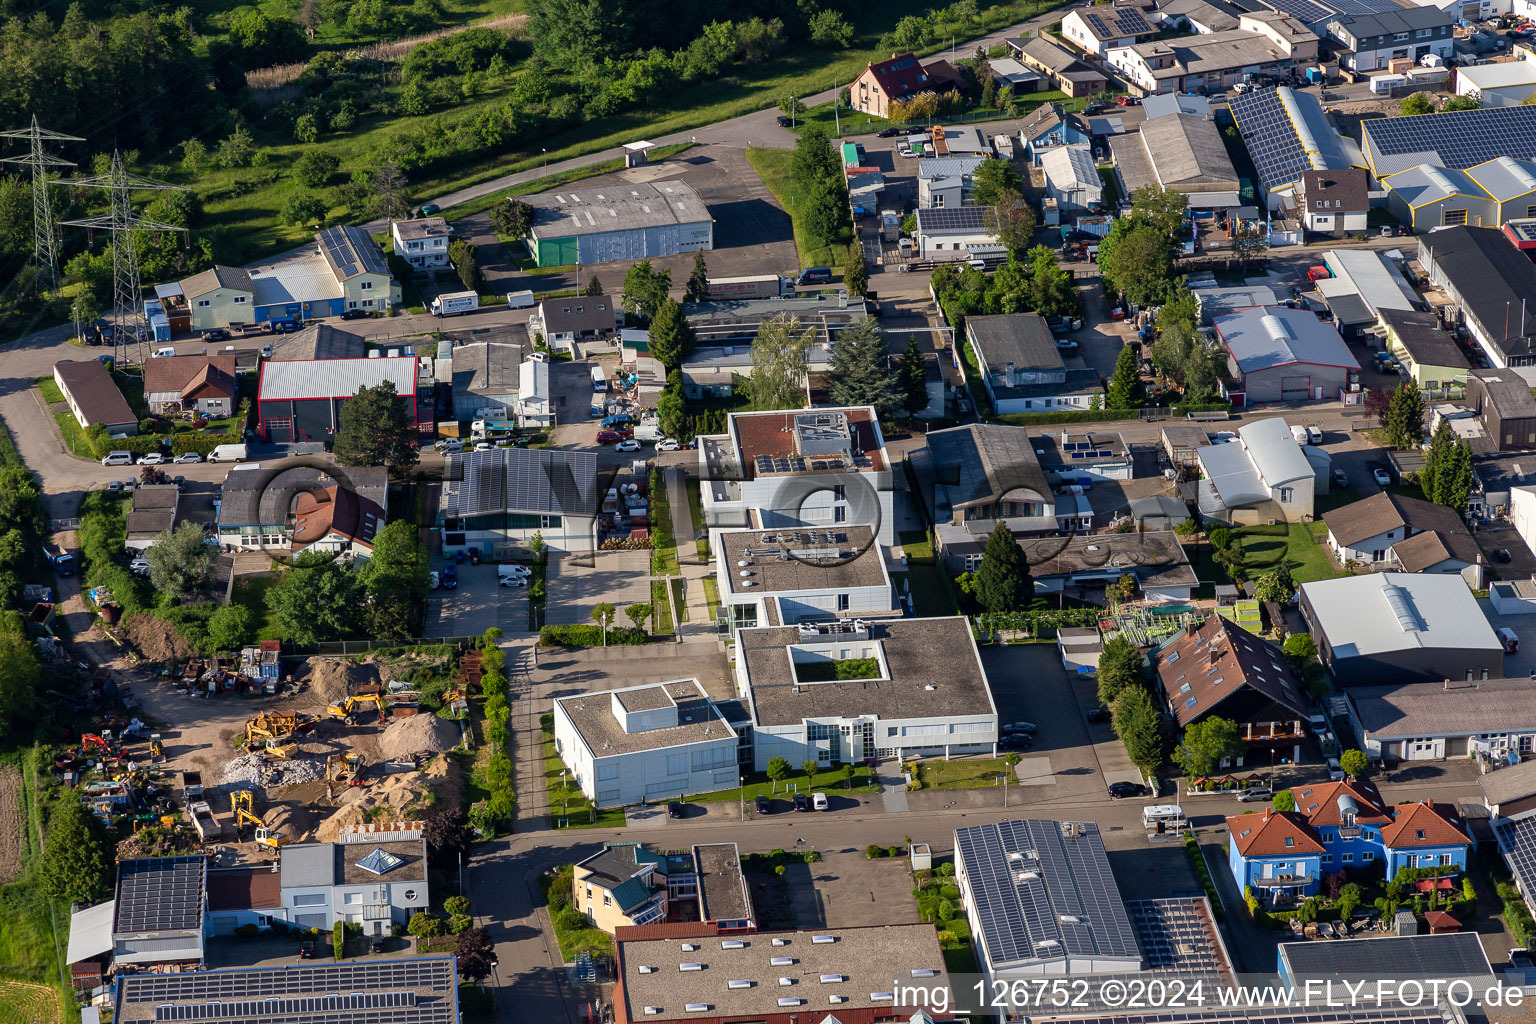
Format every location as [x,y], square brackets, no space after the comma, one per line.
[1462,138]
[1306,11]
[159,894]
[1281,147]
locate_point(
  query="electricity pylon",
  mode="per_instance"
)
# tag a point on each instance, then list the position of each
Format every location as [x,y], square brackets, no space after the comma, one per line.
[45,245]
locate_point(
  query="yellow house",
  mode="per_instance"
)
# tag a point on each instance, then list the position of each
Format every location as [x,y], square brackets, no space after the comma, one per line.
[626,884]
[359,267]
[1429,354]
[219,297]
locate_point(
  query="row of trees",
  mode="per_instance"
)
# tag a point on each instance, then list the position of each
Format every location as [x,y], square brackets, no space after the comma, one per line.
[820,189]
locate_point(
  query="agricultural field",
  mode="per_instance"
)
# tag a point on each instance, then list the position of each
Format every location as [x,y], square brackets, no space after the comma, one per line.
[22,1002]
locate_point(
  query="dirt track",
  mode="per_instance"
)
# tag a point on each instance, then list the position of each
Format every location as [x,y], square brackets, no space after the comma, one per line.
[10,825]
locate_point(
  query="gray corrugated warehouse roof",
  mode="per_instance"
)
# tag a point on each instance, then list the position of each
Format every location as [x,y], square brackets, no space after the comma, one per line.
[1446,709]
[335,378]
[621,207]
[1182,150]
[520,480]
[1269,336]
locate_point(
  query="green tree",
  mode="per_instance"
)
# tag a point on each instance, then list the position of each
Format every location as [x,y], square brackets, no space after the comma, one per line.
[824,211]
[395,580]
[697,288]
[306,128]
[1441,444]
[1124,390]
[1119,670]
[604,613]
[861,370]
[77,865]
[855,270]
[1284,801]
[424,925]
[1417,103]
[829,28]
[303,209]
[259,40]
[231,627]
[912,377]
[645,290]
[814,161]
[1003,583]
[85,310]
[672,337]
[1276,585]
[475,955]
[672,412]
[808,766]
[638,613]
[315,168]
[237,148]
[1460,103]
[1455,481]
[993,177]
[376,430]
[390,201]
[1014,221]
[1405,416]
[778,363]
[513,218]
[791,107]
[1206,744]
[1050,291]
[315,600]
[1354,763]
[1139,724]
[1136,260]
[594,287]
[1300,646]
[193,155]
[180,559]
[777,768]
[465,257]
[1163,208]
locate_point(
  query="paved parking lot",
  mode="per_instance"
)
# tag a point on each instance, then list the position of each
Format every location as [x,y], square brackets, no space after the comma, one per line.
[621,578]
[476,604]
[1523,661]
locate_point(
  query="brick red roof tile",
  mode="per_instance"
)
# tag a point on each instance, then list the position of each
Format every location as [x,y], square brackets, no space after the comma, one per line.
[1438,824]
[1266,835]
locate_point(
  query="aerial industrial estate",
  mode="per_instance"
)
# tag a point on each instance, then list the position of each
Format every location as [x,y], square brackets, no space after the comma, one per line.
[1042,531]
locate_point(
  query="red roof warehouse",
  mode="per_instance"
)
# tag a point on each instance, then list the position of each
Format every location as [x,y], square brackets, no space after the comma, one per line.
[703,975]
[301,400]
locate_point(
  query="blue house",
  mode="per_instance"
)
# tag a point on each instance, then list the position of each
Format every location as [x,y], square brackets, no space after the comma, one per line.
[1277,854]
[1047,128]
[1340,826]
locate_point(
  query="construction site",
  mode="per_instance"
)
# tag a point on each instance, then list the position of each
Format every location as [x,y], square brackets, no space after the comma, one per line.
[241,758]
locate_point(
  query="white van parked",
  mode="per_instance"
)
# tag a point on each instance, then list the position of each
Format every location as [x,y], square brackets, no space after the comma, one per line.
[117,459]
[228,453]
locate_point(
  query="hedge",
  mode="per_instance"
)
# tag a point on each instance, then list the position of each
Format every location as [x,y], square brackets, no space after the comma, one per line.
[590,636]
[1192,848]
[1042,624]
[1029,419]
[144,444]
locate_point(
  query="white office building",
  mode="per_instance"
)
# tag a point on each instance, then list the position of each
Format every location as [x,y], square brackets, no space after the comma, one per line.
[791,576]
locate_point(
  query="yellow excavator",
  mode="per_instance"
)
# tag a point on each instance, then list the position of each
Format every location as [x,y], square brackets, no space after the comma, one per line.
[242,804]
[346,708]
[275,725]
[346,768]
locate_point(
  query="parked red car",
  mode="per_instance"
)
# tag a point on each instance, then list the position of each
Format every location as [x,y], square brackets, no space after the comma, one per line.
[609,437]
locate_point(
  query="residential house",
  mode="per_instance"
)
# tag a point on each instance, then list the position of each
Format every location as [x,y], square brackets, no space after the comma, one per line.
[792,576]
[898,79]
[1508,84]
[563,322]
[302,400]
[974,477]
[257,506]
[655,741]
[1491,282]
[951,233]
[243,894]
[1429,354]
[1370,42]
[1083,565]
[625,885]
[1276,855]
[1181,153]
[159,912]
[423,243]
[1265,44]
[153,510]
[336,520]
[1393,531]
[1097,30]
[373,880]
[1218,667]
[219,297]
[1333,202]
[93,396]
[379,990]
[1400,627]
[849,691]
[1503,403]
[497,501]
[642,220]
[946,181]
[500,380]
[357,267]
[203,384]
[1015,76]
[1260,476]
[1489,718]
[1199,16]
[1021,367]
[1058,64]
[1072,180]
[1278,354]
[1047,127]
[819,469]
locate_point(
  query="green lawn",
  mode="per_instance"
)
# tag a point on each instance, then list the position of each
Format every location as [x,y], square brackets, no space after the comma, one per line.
[933,592]
[566,800]
[981,773]
[661,609]
[74,438]
[772,165]
[572,940]
[50,389]
[663,544]
[680,598]
[712,597]
[1263,547]
[251,591]
[828,780]
[696,516]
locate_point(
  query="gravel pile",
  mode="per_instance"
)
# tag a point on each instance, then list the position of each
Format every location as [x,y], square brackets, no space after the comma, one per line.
[251,771]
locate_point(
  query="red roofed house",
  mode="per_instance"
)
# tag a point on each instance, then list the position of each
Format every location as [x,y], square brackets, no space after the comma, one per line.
[900,78]
[204,384]
[336,519]
[1277,854]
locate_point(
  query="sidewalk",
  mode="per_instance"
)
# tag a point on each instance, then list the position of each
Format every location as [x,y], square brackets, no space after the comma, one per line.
[527,751]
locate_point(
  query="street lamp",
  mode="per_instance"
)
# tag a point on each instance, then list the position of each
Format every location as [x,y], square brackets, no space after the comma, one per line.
[546,158]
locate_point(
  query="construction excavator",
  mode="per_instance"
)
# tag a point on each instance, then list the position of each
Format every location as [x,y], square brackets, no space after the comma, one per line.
[275,725]
[242,805]
[346,708]
[92,743]
[346,768]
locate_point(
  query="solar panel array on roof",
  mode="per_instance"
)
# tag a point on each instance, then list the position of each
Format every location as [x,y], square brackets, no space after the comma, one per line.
[1517,841]
[952,218]
[339,249]
[1277,150]
[1462,138]
[1306,11]
[159,894]
[266,1009]
[520,480]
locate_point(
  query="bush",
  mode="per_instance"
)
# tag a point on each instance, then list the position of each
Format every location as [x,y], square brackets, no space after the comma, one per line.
[570,919]
[458,924]
[453,906]
[247,931]
[873,852]
[424,926]
[949,892]
[339,941]
[590,636]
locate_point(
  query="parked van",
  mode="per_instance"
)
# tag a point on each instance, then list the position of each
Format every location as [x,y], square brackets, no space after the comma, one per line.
[1168,816]
[520,300]
[1299,435]
[818,801]
[117,459]
[157,353]
[228,453]
[1509,639]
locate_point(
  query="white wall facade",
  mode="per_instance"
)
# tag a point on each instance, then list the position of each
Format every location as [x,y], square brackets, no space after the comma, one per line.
[647,775]
[373,905]
[818,501]
[823,740]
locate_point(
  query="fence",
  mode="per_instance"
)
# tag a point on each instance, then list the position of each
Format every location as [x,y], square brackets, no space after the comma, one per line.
[347,648]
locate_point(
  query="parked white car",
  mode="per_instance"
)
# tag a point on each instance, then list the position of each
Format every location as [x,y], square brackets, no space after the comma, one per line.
[630,445]
[152,459]
[667,444]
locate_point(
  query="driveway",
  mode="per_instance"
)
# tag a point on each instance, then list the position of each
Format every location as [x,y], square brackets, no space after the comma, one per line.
[476,604]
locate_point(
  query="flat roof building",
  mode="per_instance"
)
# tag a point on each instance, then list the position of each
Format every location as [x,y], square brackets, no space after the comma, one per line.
[507,495]
[783,577]
[626,221]
[1400,957]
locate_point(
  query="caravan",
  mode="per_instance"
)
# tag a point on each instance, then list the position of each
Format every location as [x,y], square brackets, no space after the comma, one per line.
[1163,818]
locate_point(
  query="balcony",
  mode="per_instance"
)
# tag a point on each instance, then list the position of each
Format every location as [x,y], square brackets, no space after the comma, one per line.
[1283,881]
[1271,732]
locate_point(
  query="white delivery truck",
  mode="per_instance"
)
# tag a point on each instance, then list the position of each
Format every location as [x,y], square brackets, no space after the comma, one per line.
[763,286]
[599,382]
[520,300]
[648,430]
[455,303]
[228,453]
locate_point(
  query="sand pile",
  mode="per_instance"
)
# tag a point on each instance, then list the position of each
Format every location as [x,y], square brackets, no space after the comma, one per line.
[418,734]
[442,782]
[334,679]
[156,639]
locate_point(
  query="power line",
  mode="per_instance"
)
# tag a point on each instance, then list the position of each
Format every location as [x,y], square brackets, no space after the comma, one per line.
[127,300]
[45,243]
